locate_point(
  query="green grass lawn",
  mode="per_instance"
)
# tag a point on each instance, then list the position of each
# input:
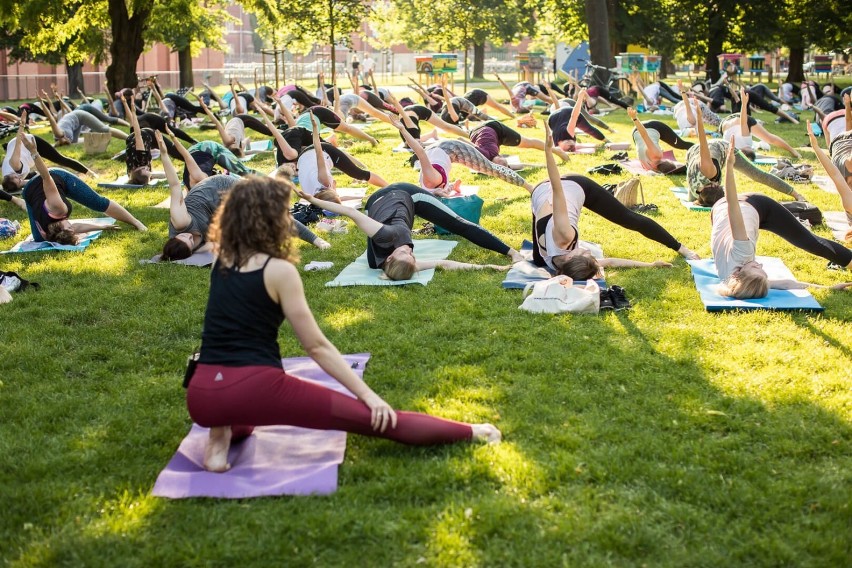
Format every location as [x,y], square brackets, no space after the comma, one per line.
[659,436]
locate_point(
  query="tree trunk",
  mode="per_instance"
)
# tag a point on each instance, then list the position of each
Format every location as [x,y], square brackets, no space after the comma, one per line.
[479,60]
[795,74]
[127,43]
[663,72]
[75,78]
[717,29]
[185,66]
[331,38]
[598,22]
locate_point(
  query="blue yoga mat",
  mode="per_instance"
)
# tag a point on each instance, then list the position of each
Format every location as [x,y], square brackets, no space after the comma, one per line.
[707,280]
[29,245]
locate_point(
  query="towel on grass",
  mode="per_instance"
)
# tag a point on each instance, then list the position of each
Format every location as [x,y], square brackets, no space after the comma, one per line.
[839,222]
[29,245]
[358,273]
[274,460]
[683,196]
[522,273]
[707,281]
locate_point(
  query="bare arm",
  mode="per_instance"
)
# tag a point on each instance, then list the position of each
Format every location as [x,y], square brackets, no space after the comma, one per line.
[505,86]
[82,94]
[57,133]
[744,131]
[627,263]
[563,232]
[284,111]
[833,172]
[323,175]
[735,214]
[178,214]
[705,165]
[575,113]
[283,282]
[15,157]
[238,105]
[687,101]
[653,152]
[432,179]
[196,175]
[62,104]
[134,125]
[796,285]
[109,99]
[289,153]
[454,265]
[156,91]
[406,119]
[368,225]
[52,198]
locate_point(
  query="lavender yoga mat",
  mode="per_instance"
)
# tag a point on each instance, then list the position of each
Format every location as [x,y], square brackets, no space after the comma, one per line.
[274,460]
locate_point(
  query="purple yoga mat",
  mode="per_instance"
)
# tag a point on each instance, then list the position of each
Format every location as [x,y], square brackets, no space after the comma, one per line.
[634,166]
[274,460]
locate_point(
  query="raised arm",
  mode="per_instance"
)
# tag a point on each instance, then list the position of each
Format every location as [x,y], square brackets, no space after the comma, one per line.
[653,152]
[847,104]
[82,94]
[58,135]
[62,104]
[178,214]
[368,225]
[52,198]
[400,110]
[110,102]
[15,156]
[744,131]
[563,232]
[432,178]
[735,214]
[227,139]
[833,172]
[323,175]
[505,86]
[152,85]
[289,153]
[687,101]
[196,175]
[575,113]
[139,144]
[238,105]
[705,165]
[285,113]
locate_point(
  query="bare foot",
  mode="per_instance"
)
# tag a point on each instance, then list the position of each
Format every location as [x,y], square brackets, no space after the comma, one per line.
[5,296]
[487,433]
[687,254]
[216,451]
[515,256]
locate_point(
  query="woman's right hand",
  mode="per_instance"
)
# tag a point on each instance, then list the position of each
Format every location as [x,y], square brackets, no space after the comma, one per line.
[158,136]
[382,415]
[548,138]
[732,155]
[29,144]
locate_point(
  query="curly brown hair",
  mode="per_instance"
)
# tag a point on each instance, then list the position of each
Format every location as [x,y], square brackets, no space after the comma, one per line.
[57,233]
[709,194]
[254,217]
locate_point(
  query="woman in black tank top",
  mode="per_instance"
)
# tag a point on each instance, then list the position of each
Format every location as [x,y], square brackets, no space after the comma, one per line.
[239,382]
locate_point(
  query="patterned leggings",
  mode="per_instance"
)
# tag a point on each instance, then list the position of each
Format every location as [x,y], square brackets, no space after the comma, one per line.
[470,157]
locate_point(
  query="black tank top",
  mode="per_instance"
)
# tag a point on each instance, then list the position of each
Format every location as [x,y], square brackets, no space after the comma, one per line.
[241,322]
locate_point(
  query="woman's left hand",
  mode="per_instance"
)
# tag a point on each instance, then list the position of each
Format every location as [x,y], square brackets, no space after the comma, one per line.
[382,414]
[661,264]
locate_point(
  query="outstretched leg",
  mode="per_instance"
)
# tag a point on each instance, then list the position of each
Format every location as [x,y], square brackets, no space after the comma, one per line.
[470,157]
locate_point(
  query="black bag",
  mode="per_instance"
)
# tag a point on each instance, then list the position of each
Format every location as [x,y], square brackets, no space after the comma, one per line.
[306,213]
[805,211]
[606,169]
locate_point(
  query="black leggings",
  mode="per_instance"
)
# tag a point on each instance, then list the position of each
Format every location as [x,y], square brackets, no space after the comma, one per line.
[603,93]
[253,123]
[326,117]
[602,202]
[304,98]
[431,209]
[764,92]
[775,218]
[343,162]
[47,150]
[756,98]
[184,103]
[669,94]
[157,122]
[668,135]
[587,127]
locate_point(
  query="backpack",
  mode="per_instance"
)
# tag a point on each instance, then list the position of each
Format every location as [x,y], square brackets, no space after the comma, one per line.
[804,211]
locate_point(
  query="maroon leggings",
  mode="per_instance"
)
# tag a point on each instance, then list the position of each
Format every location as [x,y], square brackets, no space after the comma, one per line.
[244,397]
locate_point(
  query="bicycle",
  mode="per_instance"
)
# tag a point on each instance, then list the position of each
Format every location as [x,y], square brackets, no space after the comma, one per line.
[612,80]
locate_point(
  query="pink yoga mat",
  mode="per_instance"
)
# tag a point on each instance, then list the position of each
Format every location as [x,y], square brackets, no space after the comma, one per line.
[274,460]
